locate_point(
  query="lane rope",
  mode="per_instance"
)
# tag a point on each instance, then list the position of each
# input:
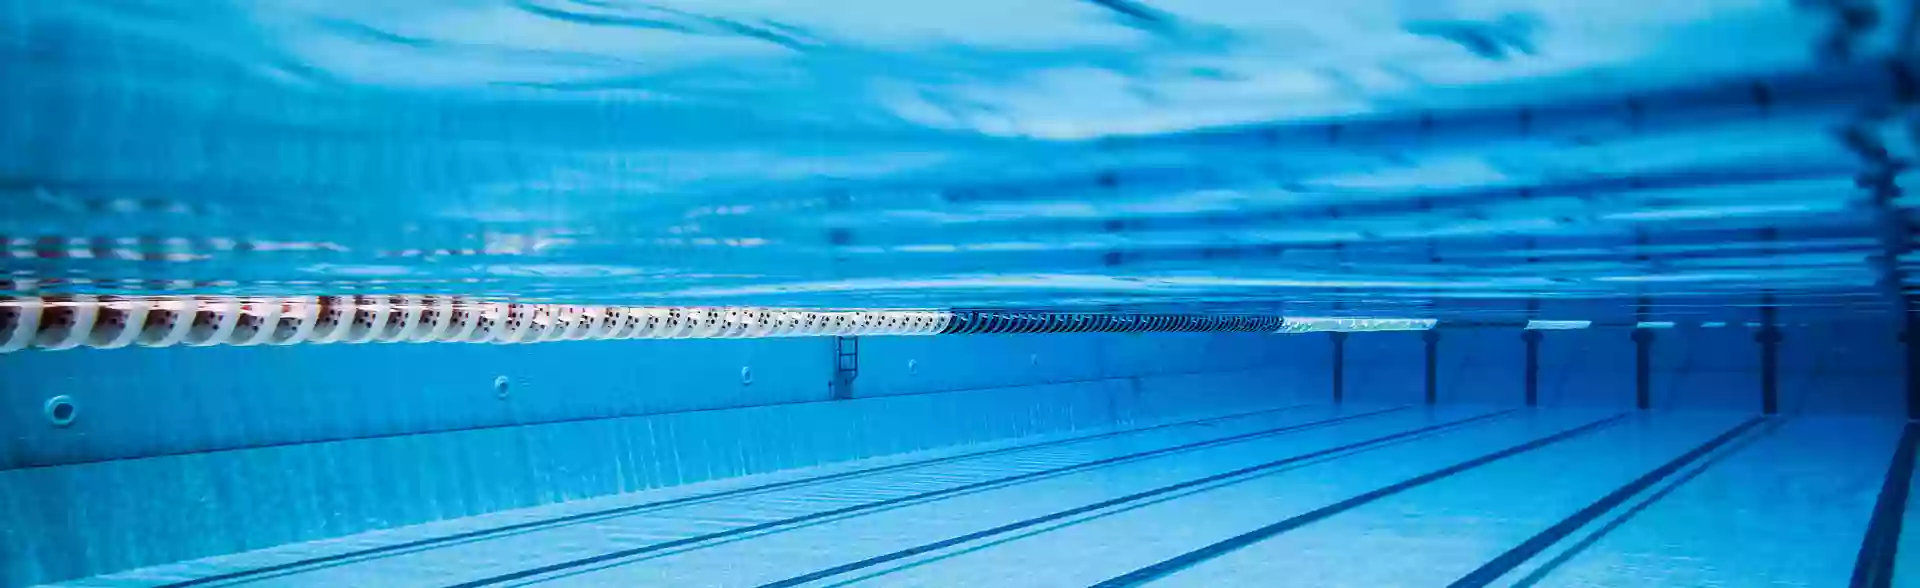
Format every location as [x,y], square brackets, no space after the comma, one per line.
[103,322]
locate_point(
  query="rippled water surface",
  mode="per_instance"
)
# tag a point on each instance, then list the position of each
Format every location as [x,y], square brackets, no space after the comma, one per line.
[1389,157]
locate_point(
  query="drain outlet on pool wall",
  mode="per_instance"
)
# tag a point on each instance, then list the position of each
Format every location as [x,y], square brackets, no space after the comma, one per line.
[61,410]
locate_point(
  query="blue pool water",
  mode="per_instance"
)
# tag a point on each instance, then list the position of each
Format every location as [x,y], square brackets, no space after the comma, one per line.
[1440,158]
[1369,293]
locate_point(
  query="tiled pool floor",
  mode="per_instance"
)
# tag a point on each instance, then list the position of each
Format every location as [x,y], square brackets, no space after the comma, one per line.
[1300,496]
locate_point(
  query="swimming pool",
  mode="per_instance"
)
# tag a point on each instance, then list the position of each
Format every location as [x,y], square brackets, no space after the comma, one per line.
[1066,293]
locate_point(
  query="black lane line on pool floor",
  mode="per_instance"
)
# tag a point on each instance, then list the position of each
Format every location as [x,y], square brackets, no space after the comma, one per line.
[810,524]
[1873,568]
[1124,500]
[1198,556]
[1038,531]
[931,494]
[467,536]
[1628,515]
[1505,562]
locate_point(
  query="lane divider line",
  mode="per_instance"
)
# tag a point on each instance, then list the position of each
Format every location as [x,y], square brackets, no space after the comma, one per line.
[1873,568]
[1195,557]
[465,536]
[109,322]
[1500,565]
[912,498]
[1349,449]
[106,322]
[1576,548]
